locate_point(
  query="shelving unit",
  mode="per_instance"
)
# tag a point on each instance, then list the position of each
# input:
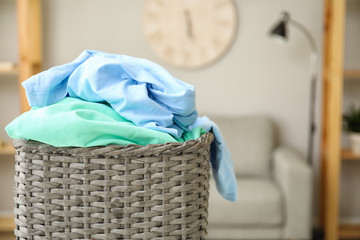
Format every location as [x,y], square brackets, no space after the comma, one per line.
[8,68]
[29,39]
[349,231]
[12,69]
[352,73]
[331,153]
[7,149]
[6,224]
[346,154]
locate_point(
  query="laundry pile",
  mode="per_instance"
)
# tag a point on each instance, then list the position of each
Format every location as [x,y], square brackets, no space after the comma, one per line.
[100,99]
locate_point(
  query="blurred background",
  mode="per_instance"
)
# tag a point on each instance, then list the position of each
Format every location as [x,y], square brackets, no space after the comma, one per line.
[254,75]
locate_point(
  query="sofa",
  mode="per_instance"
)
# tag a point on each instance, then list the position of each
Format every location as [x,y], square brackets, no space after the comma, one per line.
[275,185]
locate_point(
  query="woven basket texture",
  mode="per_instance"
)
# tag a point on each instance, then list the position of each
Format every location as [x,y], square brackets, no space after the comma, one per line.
[156,191]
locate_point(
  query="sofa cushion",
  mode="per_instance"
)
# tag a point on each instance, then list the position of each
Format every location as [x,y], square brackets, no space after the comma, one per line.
[251,141]
[259,204]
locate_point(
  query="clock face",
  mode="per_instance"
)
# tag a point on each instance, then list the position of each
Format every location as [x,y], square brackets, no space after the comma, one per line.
[189,33]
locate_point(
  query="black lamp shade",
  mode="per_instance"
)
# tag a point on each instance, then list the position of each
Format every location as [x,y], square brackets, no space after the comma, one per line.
[280,30]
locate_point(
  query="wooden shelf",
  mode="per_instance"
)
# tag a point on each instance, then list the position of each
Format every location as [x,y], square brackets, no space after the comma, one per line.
[29,49]
[7,224]
[332,85]
[349,231]
[7,149]
[352,73]
[8,68]
[347,154]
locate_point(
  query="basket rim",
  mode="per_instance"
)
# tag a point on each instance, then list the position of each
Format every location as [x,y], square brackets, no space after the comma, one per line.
[36,146]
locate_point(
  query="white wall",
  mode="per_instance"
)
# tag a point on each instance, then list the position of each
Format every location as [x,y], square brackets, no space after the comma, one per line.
[256,76]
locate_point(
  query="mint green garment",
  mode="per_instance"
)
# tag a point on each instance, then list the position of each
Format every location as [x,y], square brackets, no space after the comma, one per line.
[78,123]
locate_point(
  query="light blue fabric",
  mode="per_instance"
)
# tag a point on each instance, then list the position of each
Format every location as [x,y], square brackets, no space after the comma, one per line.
[222,164]
[140,91]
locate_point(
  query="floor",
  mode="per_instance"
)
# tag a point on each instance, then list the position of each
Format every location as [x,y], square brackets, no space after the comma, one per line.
[7,236]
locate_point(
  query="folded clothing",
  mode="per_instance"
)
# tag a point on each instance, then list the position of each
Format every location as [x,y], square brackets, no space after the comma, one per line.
[140,91]
[78,123]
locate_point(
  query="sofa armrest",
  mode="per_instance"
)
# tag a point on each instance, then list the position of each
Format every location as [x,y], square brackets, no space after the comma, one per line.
[295,178]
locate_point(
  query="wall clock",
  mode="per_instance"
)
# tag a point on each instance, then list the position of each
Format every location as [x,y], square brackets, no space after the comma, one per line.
[189,33]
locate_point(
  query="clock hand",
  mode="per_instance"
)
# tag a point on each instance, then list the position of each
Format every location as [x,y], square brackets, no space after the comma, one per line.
[188,22]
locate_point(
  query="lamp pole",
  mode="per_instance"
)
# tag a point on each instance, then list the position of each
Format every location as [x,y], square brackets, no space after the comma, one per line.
[280,30]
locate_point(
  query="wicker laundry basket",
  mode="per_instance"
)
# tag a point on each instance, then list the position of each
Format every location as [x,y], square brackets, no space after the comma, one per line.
[156,191]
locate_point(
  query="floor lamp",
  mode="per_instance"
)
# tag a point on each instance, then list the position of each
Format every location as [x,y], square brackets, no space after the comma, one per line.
[280,32]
